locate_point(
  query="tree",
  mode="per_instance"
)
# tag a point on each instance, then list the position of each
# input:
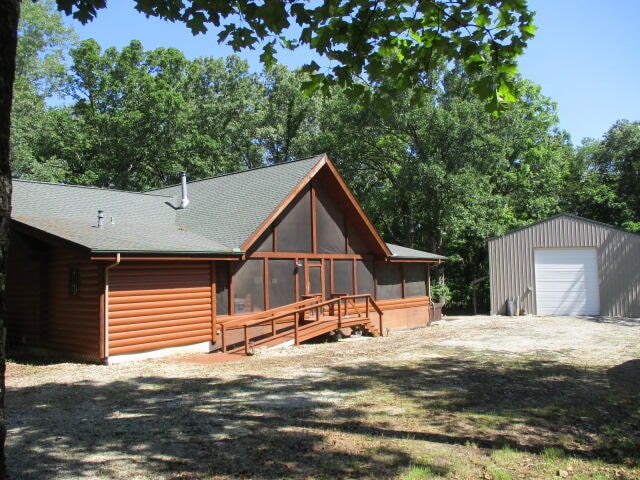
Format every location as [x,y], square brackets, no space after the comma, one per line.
[9,13]
[605,173]
[289,120]
[140,116]
[40,74]
[390,44]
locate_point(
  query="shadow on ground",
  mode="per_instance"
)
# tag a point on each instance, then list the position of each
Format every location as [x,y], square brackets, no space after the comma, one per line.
[330,424]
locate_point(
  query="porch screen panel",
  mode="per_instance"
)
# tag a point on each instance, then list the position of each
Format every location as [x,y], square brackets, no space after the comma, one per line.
[364,276]
[265,242]
[315,280]
[293,233]
[343,276]
[414,276]
[222,288]
[248,287]
[389,278]
[281,282]
[330,224]
[355,244]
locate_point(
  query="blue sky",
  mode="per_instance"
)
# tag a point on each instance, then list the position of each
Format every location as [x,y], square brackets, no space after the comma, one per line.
[586,55]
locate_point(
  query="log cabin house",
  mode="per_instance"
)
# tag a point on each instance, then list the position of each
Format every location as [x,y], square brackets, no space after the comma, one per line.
[277,254]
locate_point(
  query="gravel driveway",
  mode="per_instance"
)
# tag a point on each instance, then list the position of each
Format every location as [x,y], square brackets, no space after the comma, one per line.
[147,419]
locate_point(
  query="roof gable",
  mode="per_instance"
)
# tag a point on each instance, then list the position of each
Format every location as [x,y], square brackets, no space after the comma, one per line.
[560,216]
[325,172]
[230,208]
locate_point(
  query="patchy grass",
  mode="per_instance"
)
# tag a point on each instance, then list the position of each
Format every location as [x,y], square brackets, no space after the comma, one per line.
[448,402]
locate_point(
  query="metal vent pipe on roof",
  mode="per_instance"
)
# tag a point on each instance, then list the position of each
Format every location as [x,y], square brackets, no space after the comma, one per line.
[183,183]
[100,218]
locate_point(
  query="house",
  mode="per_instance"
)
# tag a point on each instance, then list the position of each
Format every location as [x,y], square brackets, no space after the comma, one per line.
[277,253]
[566,265]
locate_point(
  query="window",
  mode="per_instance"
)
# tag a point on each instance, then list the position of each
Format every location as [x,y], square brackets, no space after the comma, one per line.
[293,233]
[222,288]
[343,276]
[248,287]
[389,279]
[364,274]
[74,281]
[330,227]
[265,242]
[414,277]
[281,282]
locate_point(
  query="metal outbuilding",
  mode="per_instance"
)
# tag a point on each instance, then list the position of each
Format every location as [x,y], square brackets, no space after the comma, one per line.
[566,265]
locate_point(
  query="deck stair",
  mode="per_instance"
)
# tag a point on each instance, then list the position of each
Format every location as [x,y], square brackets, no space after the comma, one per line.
[301,321]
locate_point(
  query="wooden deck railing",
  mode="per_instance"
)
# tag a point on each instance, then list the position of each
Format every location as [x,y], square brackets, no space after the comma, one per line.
[347,307]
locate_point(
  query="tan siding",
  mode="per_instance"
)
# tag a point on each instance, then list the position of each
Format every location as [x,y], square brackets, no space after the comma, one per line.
[159,305]
[511,263]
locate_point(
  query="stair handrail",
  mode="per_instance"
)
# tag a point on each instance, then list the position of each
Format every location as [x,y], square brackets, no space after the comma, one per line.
[266,315]
[270,316]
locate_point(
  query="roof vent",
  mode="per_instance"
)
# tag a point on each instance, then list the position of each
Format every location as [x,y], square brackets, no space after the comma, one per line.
[100,218]
[183,183]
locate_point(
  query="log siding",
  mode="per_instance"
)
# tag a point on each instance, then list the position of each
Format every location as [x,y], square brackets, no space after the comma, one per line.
[158,305]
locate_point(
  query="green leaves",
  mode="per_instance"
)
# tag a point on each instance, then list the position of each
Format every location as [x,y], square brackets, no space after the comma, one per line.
[359,36]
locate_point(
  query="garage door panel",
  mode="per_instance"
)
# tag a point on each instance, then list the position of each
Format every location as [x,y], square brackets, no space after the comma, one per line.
[566,282]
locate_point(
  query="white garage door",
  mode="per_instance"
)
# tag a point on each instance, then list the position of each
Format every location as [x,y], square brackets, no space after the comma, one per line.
[567,281]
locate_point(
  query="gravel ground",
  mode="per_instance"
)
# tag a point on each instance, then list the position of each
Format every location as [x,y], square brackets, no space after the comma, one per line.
[143,419]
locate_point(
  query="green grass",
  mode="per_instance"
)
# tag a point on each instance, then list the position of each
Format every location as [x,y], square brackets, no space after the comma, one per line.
[506,454]
[553,454]
[419,472]
[499,474]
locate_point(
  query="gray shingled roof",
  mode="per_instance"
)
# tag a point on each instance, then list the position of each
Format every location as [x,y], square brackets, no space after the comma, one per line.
[223,212]
[230,208]
[141,222]
[404,253]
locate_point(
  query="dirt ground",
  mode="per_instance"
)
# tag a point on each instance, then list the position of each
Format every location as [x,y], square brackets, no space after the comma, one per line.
[468,397]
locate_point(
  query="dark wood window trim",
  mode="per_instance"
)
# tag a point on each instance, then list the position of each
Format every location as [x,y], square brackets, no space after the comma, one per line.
[274,238]
[213,281]
[337,256]
[354,277]
[404,280]
[265,282]
[314,221]
[232,270]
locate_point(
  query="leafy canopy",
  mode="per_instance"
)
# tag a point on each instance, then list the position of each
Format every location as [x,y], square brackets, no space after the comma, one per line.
[390,44]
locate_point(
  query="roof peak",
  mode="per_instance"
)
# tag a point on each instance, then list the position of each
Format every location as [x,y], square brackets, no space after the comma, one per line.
[262,167]
[563,214]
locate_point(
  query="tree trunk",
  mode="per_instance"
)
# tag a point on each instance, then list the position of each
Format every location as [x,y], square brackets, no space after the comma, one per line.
[9,12]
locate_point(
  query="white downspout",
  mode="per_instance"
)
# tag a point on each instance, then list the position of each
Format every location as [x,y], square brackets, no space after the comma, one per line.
[106,305]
